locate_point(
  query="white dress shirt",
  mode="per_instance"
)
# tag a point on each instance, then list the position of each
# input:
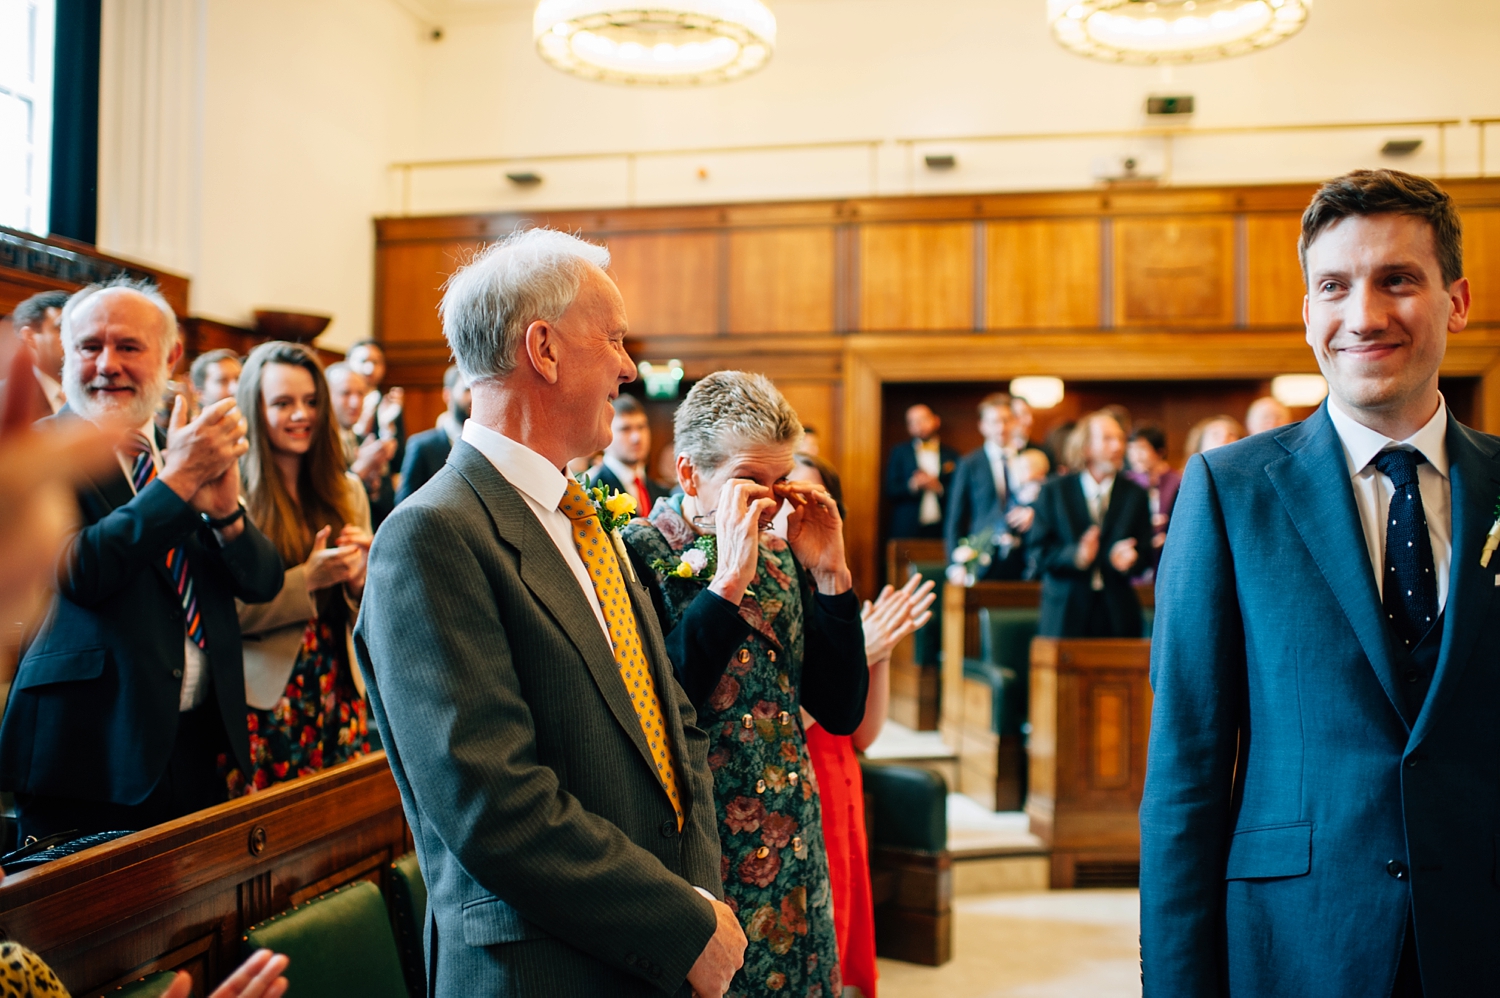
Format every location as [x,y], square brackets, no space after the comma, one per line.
[542,486]
[999,470]
[1096,494]
[194,663]
[1372,490]
[930,460]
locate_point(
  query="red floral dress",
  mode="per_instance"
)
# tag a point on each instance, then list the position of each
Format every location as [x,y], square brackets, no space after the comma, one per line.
[319,721]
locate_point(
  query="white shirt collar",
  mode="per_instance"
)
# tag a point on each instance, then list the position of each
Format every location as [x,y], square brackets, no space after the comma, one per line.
[994,451]
[522,467]
[626,474]
[1093,489]
[1362,444]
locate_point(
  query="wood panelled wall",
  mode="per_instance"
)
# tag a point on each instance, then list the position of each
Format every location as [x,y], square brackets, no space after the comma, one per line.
[835,299]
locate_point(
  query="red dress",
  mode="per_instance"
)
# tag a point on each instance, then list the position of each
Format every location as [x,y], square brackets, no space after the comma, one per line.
[843,789]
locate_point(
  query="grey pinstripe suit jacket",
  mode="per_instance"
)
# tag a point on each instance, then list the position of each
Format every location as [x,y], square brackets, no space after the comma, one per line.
[551,853]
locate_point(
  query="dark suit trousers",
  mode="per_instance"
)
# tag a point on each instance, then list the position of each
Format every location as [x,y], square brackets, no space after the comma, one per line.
[191,782]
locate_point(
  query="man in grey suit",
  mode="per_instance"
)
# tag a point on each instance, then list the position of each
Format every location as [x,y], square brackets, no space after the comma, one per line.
[564,821]
[1322,802]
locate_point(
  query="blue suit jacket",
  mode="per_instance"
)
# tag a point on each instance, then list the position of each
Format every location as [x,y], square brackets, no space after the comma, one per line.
[906,505]
[1283,779]
[973,505]
[426,453]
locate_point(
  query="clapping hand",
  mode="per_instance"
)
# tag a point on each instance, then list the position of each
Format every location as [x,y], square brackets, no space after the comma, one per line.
[360,539]
[201,451]
[743,505]
[328,566]
[389,410]
[1088,548]
[894,615]
[258,977]
[1020,518]
[373,459]
[1123,555]
[816,533]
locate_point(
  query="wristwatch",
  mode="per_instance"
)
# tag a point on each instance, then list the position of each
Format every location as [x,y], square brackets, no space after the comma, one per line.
[226,521]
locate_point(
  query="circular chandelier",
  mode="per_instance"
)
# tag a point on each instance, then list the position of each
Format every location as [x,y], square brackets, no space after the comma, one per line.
[671,42]
[1168,31]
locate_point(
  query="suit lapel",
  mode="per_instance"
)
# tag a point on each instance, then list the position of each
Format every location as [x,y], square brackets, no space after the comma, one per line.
[1313,483]
[1078,506]
[553,584]
[1474,480]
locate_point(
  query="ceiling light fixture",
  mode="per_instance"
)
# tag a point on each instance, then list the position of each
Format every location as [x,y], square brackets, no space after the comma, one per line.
[1299,391]
[1039,391]
[1173,31]
[671,43]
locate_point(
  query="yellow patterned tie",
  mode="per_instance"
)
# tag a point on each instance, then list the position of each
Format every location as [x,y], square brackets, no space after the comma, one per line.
[599,557]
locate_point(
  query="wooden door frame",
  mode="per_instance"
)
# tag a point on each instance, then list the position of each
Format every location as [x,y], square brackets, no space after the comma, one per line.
[870,361]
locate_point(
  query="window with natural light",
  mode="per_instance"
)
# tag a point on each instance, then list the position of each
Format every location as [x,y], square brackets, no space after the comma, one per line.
[25,112]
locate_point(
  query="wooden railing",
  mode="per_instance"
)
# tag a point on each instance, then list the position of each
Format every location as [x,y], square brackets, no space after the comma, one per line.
[180,895]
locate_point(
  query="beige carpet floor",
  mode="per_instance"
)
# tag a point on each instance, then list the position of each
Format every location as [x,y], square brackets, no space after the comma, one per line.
[1051,944]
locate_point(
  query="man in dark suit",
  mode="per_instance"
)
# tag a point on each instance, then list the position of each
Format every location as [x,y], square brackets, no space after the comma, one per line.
[1322,802]
[129,705]
[918,475]
[1092,526]
[984,497]
[428,451]
[624,465]
[548,763]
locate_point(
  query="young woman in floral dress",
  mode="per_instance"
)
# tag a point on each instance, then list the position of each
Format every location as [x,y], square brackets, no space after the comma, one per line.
[758,627]
[306,710]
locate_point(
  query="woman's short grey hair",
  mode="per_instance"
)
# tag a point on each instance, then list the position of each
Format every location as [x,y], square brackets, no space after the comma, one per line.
[146,289]
[728,411]
[529,275]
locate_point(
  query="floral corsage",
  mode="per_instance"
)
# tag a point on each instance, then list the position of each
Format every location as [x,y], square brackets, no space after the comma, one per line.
[971,555]
[699,561]
[614,510]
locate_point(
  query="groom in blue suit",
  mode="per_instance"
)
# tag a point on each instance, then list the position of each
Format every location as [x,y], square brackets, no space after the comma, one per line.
[1322,803]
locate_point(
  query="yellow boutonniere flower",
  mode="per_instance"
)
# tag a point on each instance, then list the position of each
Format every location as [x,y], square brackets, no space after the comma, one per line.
[684,570]
[620,504]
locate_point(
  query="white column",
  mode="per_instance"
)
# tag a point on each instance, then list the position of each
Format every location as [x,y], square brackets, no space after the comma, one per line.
[151,83]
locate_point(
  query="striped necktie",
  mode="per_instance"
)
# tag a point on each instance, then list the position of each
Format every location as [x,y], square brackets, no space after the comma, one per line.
[598,553]
[177,561]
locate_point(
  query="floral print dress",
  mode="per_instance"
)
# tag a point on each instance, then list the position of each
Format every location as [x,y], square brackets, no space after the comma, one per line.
[774,868]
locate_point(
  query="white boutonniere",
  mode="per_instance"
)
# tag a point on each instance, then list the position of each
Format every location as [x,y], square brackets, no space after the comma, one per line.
[1491,541]
[700,561]
[971,555]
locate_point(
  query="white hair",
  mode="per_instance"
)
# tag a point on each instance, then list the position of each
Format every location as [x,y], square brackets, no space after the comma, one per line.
[731,410]
[122,282]
[530,275]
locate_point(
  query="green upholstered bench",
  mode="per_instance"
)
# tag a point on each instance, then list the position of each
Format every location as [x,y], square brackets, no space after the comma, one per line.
[150,986]
[911,869]
[929,638]
[339,944]
[409,906]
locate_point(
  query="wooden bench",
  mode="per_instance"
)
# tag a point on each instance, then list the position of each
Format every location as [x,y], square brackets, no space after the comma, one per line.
[1090,723]
[179,896]
[914,685]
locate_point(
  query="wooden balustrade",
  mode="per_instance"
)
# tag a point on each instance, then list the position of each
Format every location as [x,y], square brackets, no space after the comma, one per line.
[1090,723]
[179,896]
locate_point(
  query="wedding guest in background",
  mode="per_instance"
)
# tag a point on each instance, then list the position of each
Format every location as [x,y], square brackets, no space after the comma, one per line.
[1029,470]
[307,709]
[918,474]
[1122,416]
[38,324]
[382,418]
[757,627]
[1215,431]
[1092,528]
[1021,427]
[369,458]
[1264,414]
[1056,447]
[516,671]
[428,451]
[809,444]
[215,375]
[983,499]
[894,615]
[170,393]
[623,466]
[133,694]
[1146,455]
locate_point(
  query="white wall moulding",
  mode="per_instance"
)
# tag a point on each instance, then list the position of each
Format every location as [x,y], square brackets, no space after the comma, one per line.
[670,43]
[1030,161]
[1144,32]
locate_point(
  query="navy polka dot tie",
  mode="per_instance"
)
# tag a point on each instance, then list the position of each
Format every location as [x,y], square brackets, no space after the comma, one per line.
[1409,590]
